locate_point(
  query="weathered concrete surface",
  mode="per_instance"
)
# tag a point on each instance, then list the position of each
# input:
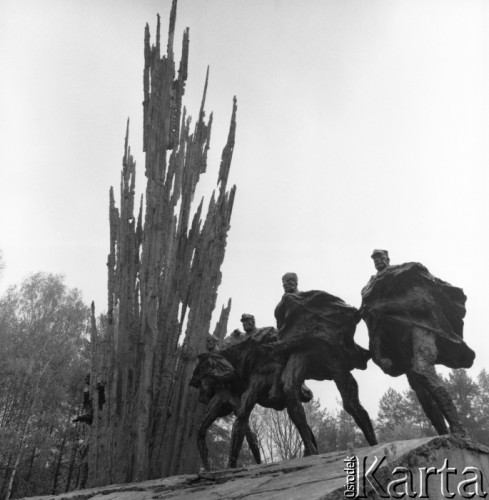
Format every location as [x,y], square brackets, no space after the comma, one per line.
[318,477]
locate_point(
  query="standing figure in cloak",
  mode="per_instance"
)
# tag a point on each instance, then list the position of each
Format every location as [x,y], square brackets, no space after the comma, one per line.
[316,342]
[415,321]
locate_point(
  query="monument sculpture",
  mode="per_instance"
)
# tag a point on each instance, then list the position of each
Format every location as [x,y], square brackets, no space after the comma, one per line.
[415,321]
[219,389]
[86,416]
[316,342]
[235,379]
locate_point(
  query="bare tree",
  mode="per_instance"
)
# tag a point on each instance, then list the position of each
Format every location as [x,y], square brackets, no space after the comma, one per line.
[162,287]
[278,437]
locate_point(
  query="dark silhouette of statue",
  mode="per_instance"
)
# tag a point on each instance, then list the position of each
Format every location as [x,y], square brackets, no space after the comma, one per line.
[316,342]
[220,389]
[255,364]
[415,321]
[235,379]
[87,416]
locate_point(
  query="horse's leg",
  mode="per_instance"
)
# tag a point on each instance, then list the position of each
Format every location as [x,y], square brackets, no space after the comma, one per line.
[211,415]
[247,403]
[348,388]
[253,444]
[293,377]
[313,438]
[249,434]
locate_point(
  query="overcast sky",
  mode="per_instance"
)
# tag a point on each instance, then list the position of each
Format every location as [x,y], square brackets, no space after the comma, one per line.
[360,125]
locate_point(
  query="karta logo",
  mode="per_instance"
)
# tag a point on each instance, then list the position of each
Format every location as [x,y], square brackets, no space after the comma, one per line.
[364,477]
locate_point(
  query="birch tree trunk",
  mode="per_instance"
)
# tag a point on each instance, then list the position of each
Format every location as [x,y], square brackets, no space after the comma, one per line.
[57,465]
[17,459]
[163,277]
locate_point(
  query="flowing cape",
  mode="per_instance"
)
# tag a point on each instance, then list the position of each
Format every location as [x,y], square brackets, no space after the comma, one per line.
[315,319]
[252,354]
[214,365]
[407,295]
[238,361]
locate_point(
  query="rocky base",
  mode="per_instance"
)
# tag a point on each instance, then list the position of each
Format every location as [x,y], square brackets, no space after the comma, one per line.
[440,467]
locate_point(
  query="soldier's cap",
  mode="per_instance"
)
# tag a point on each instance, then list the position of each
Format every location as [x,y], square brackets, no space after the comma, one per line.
[385,253]
[289,276]
[247,316]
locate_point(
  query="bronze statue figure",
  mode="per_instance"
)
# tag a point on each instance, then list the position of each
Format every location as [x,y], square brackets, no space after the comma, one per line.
[236,378]
[415,321]
[316,342]
[219,389]
[254,362]
[87,416]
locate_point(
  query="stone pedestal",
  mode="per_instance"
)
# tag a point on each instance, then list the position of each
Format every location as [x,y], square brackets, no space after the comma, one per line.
[435,468]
